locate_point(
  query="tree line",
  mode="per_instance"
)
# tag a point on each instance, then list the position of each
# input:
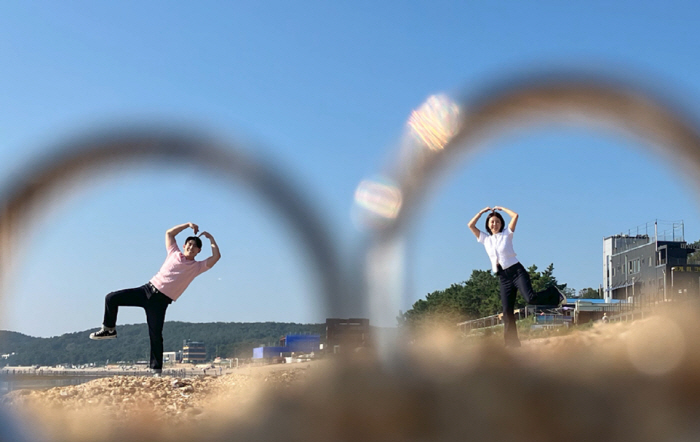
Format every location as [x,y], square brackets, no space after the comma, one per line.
[477,297]
[223,339]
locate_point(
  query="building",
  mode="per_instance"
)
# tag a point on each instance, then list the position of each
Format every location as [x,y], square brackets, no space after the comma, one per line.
[170,357]
[289,344]
[649,264]
[346,334]
[269,352]
[193,352]
[301,343]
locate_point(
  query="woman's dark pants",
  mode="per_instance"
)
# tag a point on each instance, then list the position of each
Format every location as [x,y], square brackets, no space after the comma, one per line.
[154,302]
[511,280]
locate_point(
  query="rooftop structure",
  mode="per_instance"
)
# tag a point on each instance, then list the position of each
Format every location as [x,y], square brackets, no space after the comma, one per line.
[652,262]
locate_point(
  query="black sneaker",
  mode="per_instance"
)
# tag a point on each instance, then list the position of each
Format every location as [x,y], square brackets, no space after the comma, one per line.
[104,334]
[562,297]
[552,297]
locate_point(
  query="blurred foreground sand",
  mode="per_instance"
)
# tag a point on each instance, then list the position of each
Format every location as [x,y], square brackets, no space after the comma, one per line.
[635,381]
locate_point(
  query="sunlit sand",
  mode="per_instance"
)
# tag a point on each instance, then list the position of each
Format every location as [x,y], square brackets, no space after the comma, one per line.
[616,381]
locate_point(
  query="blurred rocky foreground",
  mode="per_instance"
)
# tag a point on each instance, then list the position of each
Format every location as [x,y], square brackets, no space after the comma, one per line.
[636,381]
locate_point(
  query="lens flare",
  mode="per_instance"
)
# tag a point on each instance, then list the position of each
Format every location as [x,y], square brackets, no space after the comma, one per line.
[378,197]
[435,122]
[657,347]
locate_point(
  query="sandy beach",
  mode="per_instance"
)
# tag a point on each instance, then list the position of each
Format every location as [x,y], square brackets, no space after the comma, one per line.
[619,381]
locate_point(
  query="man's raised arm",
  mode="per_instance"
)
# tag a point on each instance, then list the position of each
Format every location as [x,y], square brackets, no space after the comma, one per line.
[173,231]
[215,253]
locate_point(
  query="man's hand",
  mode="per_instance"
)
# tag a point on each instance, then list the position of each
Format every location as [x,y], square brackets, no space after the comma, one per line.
[173,231]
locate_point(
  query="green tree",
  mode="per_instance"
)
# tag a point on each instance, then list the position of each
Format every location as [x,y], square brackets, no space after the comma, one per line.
[477,297]
[694,258]
[544,280]
[589,293]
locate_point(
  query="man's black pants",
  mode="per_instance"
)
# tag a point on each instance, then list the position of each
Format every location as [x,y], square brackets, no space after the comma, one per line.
[154,302]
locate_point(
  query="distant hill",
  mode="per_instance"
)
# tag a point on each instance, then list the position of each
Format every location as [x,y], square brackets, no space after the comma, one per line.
[9,340]
[225,339]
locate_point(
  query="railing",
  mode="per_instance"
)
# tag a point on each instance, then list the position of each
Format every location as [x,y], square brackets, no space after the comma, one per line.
[487,321]
[644,304]
[641,306]
[10,373]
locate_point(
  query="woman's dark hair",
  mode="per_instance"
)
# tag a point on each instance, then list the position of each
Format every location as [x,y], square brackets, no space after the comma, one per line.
[197,240]
[497,215]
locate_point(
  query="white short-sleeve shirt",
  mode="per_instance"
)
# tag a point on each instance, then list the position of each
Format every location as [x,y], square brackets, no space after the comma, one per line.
[499,247]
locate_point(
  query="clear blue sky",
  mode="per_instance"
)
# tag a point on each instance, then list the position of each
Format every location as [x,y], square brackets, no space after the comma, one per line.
[324,89]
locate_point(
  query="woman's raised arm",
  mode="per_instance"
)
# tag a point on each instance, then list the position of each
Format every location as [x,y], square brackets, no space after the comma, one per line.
[472,223]
[513,217]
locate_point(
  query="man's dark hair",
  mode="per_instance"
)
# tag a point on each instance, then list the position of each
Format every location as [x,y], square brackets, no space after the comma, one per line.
[497,215]
[197,240]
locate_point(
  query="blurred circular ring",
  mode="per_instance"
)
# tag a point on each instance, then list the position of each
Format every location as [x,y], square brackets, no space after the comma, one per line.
[443,128]
[34,185]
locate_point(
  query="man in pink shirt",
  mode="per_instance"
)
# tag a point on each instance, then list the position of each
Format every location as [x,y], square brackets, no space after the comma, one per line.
[176,273]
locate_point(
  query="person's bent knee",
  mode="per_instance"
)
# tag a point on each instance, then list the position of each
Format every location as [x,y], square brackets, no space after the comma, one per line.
[109,298]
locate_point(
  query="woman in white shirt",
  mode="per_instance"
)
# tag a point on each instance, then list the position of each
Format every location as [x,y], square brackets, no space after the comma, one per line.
[512,276]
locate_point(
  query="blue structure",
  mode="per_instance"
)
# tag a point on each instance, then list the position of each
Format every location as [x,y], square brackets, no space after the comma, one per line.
[553,319]
[268,352]
[290,344]
[595,300]
[301,343]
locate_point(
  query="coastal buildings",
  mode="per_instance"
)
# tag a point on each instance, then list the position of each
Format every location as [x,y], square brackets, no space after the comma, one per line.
[651,263]
[289,344]
[193,352]
[346,334]
[170,357]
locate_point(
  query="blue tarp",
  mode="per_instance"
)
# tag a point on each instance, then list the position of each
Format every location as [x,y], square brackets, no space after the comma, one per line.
[552,319]
[295,343]
[303,343]
[268,352]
